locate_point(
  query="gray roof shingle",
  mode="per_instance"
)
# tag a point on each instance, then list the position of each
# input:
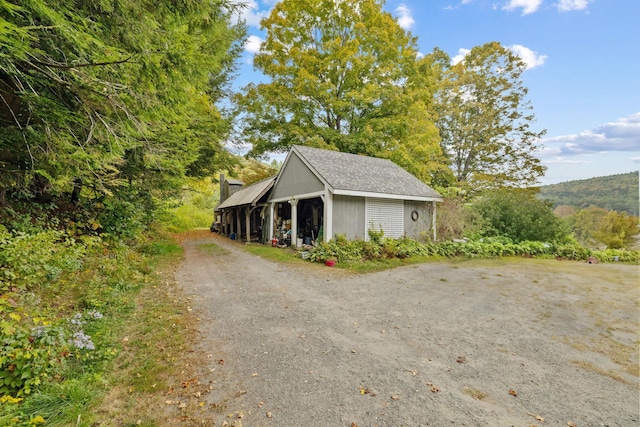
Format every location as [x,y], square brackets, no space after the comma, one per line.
[248,195]
[352,172]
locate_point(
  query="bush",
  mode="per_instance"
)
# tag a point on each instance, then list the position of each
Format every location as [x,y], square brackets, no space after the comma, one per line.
[520,216]
[343,250]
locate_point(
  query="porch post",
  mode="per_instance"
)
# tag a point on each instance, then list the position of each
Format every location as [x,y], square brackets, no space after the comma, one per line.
[239,223]
[328,216]
[433,220]
[272,220]
[247,222]
[294,222]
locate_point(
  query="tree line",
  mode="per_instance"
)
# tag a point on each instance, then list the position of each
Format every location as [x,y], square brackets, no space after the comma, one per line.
[120,101]
[614,192]
[113,100]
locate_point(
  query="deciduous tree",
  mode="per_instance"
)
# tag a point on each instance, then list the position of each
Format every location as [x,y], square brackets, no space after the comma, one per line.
[341,75]
[485,120]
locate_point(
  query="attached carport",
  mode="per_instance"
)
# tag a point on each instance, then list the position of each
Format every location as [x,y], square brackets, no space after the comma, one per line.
[242,214]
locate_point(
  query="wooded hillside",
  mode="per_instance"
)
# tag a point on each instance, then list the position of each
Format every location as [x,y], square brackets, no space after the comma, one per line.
[615,192]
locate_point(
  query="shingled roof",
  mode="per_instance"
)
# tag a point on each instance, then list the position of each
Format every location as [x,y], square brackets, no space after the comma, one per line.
[249,195]
[345,172]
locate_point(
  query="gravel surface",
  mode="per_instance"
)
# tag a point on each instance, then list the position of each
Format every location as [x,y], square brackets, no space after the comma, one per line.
[473,343]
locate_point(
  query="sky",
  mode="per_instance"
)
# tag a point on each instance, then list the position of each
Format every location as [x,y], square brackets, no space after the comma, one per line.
[583,68]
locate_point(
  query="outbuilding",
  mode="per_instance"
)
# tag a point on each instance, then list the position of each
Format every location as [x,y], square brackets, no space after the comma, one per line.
[242,211]
[319,194]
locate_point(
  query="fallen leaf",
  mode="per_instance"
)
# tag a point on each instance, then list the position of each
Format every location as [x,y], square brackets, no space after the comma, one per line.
[201,404]
[269,415]
[512,392]
[241,392]
[182,405]
[395,397]
[186,384]
[365,390]
[413,373]
[260,404]
[224,424]
[539,418]
[461,359]
[255,374]
[221,362]
[435,389]
[354,425]
[571,424]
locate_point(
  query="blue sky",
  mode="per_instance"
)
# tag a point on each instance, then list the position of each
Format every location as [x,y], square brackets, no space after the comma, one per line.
[583,70]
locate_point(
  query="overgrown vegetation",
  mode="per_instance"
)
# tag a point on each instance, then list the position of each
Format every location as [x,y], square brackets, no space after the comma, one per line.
[507,222]
[67,293]
[350,251]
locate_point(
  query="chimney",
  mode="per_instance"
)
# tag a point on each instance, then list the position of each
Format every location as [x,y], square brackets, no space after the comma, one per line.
[223,189]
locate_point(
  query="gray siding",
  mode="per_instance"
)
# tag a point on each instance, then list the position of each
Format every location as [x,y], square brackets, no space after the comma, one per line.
[348,216]
[419,229]
[296,179]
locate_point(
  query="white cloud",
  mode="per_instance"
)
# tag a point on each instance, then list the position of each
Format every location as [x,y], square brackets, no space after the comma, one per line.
[251,13]
[621,135]
[405,20]
[252,44]
[528,6]
[530,58]
[569,5]
[635,159]
[462,52]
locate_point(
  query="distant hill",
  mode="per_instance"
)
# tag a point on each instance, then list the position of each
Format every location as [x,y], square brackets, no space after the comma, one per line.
[616,192]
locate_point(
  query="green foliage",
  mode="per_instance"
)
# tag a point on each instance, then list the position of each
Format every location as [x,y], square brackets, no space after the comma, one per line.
[519,216]
[105,99]
[29,355]
[585,223]
[484,120]
[360,251]
[617,230]
[343,76]
[614,192]
[32,261]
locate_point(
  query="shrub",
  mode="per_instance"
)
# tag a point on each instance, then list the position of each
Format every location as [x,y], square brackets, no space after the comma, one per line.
[617,230]
[519,216]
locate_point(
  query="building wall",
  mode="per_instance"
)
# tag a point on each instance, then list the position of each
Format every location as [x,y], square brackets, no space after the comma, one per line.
[296,179]
[420,228]
[348,216]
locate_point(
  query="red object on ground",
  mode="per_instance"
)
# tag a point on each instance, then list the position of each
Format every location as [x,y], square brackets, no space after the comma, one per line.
[329,263]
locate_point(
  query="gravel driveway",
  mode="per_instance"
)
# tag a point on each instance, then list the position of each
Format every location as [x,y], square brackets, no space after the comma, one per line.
[468,343]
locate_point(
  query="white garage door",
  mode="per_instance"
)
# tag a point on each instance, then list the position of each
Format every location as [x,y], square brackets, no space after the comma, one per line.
[386,215]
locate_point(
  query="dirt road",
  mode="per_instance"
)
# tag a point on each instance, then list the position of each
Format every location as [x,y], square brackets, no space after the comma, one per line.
[474,343]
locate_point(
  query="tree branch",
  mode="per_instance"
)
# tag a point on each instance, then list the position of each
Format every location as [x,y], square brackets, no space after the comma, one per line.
[86,64]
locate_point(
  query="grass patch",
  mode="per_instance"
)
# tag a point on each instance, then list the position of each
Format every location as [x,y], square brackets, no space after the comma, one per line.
[212,249]
[593,368]
[475,393]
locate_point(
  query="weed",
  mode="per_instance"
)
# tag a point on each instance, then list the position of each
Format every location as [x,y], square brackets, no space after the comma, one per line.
[475,393]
